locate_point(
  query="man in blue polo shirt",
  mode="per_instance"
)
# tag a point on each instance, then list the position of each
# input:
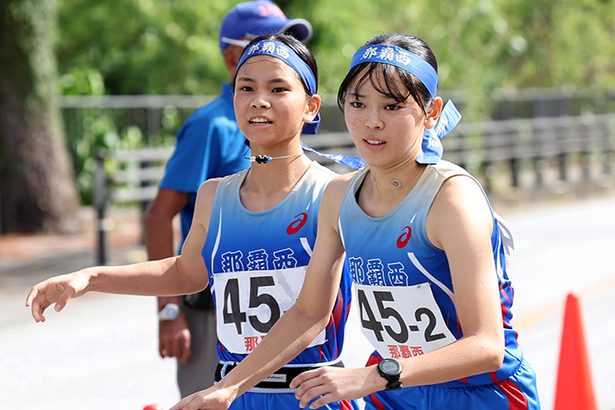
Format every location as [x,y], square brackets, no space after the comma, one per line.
[209,145]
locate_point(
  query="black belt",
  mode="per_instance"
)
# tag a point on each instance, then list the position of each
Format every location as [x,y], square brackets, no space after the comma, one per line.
[279,380]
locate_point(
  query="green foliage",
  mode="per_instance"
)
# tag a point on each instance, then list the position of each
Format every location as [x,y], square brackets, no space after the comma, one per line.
[91,131]
[143,46]
[171,47]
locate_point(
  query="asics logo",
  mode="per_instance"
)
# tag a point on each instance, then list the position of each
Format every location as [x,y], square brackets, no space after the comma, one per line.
[404,238]
[297,224]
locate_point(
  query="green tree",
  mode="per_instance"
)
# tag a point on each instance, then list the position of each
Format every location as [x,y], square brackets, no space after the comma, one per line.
[162,47]
[37,191]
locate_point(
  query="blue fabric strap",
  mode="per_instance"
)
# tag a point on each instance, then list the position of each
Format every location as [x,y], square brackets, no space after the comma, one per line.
[397,56]
[347,160]
[431,146]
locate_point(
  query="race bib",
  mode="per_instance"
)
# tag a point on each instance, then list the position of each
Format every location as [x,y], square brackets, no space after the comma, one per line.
[248,304]
[401,321]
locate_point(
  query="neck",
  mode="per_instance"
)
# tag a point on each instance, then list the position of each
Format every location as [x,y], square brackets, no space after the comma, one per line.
[392,184]
[267,184]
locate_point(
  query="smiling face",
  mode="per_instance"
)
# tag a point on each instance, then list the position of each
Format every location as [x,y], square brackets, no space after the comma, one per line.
[271,105]
[385,132]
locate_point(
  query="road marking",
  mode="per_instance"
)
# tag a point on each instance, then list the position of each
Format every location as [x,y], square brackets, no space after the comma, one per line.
[536,316]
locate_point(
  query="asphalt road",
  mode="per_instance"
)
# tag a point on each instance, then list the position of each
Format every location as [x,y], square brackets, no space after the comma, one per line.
[101,352]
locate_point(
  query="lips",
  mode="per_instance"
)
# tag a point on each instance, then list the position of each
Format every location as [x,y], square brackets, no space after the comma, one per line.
[260,121]
[374,142]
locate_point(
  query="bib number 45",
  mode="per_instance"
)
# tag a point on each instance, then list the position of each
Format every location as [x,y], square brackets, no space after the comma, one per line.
[232,313]
[249,303]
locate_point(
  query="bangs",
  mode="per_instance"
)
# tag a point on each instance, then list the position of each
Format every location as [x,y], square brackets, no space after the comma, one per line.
[388,80]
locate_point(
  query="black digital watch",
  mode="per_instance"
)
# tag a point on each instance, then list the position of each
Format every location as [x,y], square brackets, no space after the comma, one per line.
[390,369]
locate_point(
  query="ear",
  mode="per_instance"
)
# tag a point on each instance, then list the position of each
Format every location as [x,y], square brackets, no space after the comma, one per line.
[231,56]
[433,114]
[312,105]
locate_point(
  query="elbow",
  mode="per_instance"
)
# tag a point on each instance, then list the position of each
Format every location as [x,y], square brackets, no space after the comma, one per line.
[190,280]
[153,217]
[492,353]
[317,318]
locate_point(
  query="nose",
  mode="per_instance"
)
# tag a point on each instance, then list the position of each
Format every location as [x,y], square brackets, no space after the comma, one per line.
[373,121]
[259,102]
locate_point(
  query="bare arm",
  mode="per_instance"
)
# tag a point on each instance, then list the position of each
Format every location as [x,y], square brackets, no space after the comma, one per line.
[170,276]
[299,325]
[463,228]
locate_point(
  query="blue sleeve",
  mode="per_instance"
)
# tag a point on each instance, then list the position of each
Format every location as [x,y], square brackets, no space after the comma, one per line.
[209,145]
[189,165]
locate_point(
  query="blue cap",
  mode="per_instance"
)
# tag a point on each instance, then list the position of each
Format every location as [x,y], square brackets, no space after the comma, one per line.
[255,18]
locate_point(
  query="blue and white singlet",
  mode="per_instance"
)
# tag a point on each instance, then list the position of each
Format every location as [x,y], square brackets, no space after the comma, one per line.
[257,263]
[403,282]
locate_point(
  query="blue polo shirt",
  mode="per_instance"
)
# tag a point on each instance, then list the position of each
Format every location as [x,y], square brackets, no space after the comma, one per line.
[209,145]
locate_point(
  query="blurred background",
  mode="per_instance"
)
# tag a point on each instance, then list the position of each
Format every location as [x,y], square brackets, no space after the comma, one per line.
[92,93]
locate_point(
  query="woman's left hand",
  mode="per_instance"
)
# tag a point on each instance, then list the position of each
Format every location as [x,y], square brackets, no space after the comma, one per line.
[331,384]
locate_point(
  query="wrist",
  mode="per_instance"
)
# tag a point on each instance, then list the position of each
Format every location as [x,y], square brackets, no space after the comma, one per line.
[91,276]
[165,300]
[231,390]
[169,312]
[390,371]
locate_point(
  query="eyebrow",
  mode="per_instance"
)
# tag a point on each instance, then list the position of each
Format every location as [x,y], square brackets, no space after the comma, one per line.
[272,81]
[356,95]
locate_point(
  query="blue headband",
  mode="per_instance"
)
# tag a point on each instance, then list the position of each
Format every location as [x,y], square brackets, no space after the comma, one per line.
[282,52]
[404,59]
[431,146]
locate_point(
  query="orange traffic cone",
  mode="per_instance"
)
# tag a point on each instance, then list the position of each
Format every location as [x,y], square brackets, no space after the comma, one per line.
[574,382]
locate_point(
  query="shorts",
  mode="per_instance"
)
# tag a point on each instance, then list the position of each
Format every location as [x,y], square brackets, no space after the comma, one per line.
[518,392]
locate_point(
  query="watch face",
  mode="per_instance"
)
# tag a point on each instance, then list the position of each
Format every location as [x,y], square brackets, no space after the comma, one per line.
[389,366]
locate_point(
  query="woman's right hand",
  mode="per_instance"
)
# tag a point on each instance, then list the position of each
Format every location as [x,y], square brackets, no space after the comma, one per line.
[58,290]
[214,398]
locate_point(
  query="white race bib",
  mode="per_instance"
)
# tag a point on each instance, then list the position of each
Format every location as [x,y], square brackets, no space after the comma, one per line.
[248,304]
[401,321]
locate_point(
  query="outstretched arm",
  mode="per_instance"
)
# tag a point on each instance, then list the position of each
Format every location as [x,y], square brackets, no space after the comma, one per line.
[170,276]
[298,326]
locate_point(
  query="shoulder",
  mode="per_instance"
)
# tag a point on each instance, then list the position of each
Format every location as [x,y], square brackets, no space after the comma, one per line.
[460,204]
[204,200]
[335,192]
[447,169]
[215,114]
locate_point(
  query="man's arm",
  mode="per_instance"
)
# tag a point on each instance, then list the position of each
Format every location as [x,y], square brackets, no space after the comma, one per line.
[174,339]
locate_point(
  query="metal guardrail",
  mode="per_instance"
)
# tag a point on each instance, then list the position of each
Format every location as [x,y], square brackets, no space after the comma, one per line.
[586,141]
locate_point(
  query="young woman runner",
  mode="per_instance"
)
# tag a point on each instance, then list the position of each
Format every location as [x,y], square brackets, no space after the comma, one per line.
[252,233]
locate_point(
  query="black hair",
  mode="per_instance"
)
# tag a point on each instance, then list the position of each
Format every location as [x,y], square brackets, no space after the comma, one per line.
[382,76]
[298,47]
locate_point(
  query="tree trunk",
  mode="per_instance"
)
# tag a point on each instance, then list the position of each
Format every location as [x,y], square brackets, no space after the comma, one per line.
[37,188]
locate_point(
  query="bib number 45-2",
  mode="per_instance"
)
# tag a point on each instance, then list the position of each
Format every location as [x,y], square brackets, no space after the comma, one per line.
[401,316]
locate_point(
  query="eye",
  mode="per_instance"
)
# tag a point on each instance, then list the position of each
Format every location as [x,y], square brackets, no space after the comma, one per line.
[279,90]
[356,104]
[392,107]
[245,88]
